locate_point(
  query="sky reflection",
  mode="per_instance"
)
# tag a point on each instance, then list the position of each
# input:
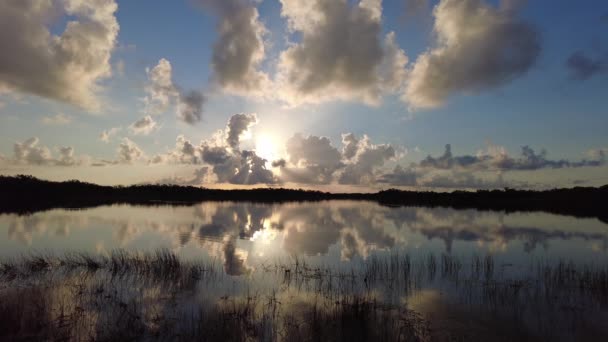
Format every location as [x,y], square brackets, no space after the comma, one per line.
[243,235]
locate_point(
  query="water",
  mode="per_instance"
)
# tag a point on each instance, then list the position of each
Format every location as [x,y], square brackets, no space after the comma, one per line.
[452,273]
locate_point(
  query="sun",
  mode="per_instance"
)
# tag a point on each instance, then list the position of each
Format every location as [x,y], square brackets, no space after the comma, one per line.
[267,147]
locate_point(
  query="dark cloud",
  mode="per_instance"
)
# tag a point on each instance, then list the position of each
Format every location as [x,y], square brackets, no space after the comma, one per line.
[279,163]
[237,125]
[497,158]
[190,107]
[143,126]
[583,67]
[400,176]
[66,67]
[478,47]
[239,50]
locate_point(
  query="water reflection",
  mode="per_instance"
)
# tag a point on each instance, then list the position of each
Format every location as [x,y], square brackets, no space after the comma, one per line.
[242,234]
[357,270]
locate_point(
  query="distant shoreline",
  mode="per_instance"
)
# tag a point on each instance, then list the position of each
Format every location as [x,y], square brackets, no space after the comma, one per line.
[26,194]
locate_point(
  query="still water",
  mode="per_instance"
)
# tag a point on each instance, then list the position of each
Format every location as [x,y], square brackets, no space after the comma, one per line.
[333,232]
[465,273]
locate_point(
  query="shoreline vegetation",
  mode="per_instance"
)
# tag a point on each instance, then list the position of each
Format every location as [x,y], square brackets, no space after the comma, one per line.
[25,194]
[158,296]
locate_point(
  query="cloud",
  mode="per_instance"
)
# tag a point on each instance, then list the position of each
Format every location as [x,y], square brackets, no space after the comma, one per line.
[184,152]
[598,155]
[129,152]
[66,67]
[66,157]
[477,47]
[366,160]
[466,180]
[223,154]
[237,125]
[341,55]
[497,158]
[162,93]
[160,88]
[313,160]
[106,135]
[30,152]
[59,119]
[583,67]
[400,176]
[414,7]
[200,176]
[143,126]
[190,107]
[239,50]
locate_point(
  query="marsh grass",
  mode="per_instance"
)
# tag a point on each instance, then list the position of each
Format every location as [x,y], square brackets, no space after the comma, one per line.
[158,296]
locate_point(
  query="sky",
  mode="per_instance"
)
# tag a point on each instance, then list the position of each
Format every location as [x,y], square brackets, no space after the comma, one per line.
[336,95]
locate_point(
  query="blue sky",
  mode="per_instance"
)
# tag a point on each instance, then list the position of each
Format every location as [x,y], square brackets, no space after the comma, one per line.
[541,100]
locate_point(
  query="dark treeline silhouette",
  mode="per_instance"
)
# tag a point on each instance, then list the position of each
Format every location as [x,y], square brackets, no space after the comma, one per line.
[23,194]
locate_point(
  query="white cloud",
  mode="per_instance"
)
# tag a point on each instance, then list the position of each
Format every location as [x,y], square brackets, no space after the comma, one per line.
[67,67]
[129,152]
[341,56]
[30,152]
[477,47]
[163,93]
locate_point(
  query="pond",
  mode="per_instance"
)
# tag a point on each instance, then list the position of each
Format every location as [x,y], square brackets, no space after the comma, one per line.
[302,271]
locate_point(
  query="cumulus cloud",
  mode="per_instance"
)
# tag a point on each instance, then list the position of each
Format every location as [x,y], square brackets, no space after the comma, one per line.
[477,47]
[60,119]
[66,157]
[65,67]
[366,160]
[30,152]
[240,49]
[160,88]
[229,164]
[583,67]
[184,152]
[106,135]
[143,126]
[162,93]
[129,152]
[341,55]
[314,160]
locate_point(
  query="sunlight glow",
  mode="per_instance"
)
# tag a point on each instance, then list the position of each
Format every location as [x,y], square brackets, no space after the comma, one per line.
[267,147]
